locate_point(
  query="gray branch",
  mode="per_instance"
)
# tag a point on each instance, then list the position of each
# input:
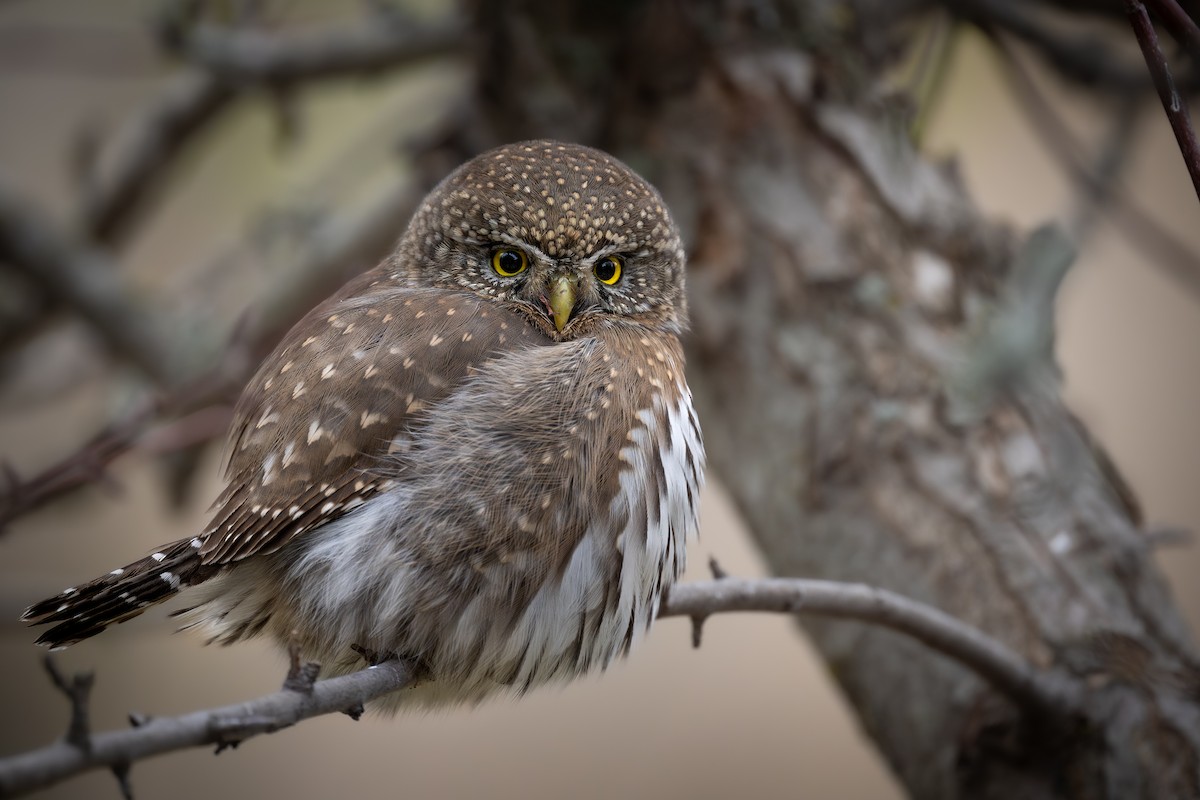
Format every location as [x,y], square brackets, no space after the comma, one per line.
[248,56]
[84,280]
[144,150]
[1048,697]
[223,726]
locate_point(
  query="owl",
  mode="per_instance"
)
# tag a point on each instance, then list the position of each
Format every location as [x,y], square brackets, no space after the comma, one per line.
[480,457]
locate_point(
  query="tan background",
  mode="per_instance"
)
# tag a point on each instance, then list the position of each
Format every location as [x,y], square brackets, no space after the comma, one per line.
[749,714]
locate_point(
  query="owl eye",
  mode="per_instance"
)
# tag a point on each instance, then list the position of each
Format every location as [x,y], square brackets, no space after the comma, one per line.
[508,263]
[608,269]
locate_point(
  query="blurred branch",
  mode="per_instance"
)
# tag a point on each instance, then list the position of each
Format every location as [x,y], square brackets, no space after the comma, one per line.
[1167,251]
[89,463]
[145,148]
[24,309]
[85,281]
[1174,103]
[226,61]
[223,727]
[1084,59]
[252,57]
[346,244]
[342,245]
[1036,692]
[1050,699]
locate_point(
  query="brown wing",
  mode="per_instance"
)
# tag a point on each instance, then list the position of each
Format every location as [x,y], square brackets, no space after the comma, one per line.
[314,427]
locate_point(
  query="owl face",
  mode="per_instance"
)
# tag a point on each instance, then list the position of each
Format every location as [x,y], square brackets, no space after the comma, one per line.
[568,234]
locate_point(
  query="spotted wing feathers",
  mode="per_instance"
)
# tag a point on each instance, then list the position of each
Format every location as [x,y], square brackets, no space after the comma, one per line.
[322,427]
[324,424]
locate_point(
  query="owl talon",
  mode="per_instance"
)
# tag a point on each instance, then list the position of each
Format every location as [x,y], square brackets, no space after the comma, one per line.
[372,657]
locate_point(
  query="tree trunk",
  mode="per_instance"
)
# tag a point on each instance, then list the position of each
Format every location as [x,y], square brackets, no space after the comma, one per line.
[871,360]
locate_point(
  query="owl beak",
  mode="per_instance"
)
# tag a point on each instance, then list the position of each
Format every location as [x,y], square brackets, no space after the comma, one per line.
[562,300]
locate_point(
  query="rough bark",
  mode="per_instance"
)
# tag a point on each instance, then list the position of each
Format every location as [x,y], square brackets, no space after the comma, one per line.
[871,361]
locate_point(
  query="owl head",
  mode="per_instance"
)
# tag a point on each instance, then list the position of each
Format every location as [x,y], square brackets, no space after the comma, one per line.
[565,233]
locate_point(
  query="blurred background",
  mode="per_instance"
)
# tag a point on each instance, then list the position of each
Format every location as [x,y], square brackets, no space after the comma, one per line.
[751,713]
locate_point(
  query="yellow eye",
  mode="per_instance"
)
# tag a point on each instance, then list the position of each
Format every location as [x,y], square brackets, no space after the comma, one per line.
[508,263]
[608,269]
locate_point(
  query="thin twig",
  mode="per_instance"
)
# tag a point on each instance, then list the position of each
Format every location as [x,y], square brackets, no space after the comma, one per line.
[1182,26]
[1172,99]
[1047,696]
[219,726]
[78,691]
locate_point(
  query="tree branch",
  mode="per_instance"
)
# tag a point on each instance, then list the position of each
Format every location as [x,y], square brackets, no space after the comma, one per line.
[1173,101]
[1086,59]
[1182,26]
[1039,693]
[1167,251]
[1048,698]
[341,246]
[89,463]
[145,149]
[222,727]
[85,281]
[226,59]
[248,56]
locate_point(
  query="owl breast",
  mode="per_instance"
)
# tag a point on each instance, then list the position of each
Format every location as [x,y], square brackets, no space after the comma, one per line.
[534,520]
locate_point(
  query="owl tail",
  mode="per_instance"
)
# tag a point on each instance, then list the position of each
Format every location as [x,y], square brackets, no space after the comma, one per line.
[82,612]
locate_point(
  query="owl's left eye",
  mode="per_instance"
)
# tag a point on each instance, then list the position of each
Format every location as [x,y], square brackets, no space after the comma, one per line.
[608,269]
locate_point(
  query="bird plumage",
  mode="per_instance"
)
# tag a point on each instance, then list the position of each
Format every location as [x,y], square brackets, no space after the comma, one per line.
[431,466]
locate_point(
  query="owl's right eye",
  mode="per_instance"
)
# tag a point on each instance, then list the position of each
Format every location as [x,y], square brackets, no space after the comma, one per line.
[508,263]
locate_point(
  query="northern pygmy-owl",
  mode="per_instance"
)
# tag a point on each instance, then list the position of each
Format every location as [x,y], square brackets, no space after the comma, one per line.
[480,456]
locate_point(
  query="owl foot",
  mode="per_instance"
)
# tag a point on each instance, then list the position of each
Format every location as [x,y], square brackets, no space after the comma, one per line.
[372,657]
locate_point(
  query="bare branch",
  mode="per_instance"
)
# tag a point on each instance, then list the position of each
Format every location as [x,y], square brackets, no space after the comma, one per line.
[1049,697]
[1182,26]
[226,61]
[1173,101]
[344,245]
[78,690]
[1084,59]
[223,726]
[89,464]
[85,281]
[144,150]
[1167,251]
[253,57]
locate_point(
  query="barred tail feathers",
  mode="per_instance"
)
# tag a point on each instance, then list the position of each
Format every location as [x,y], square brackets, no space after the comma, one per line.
[84,611]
